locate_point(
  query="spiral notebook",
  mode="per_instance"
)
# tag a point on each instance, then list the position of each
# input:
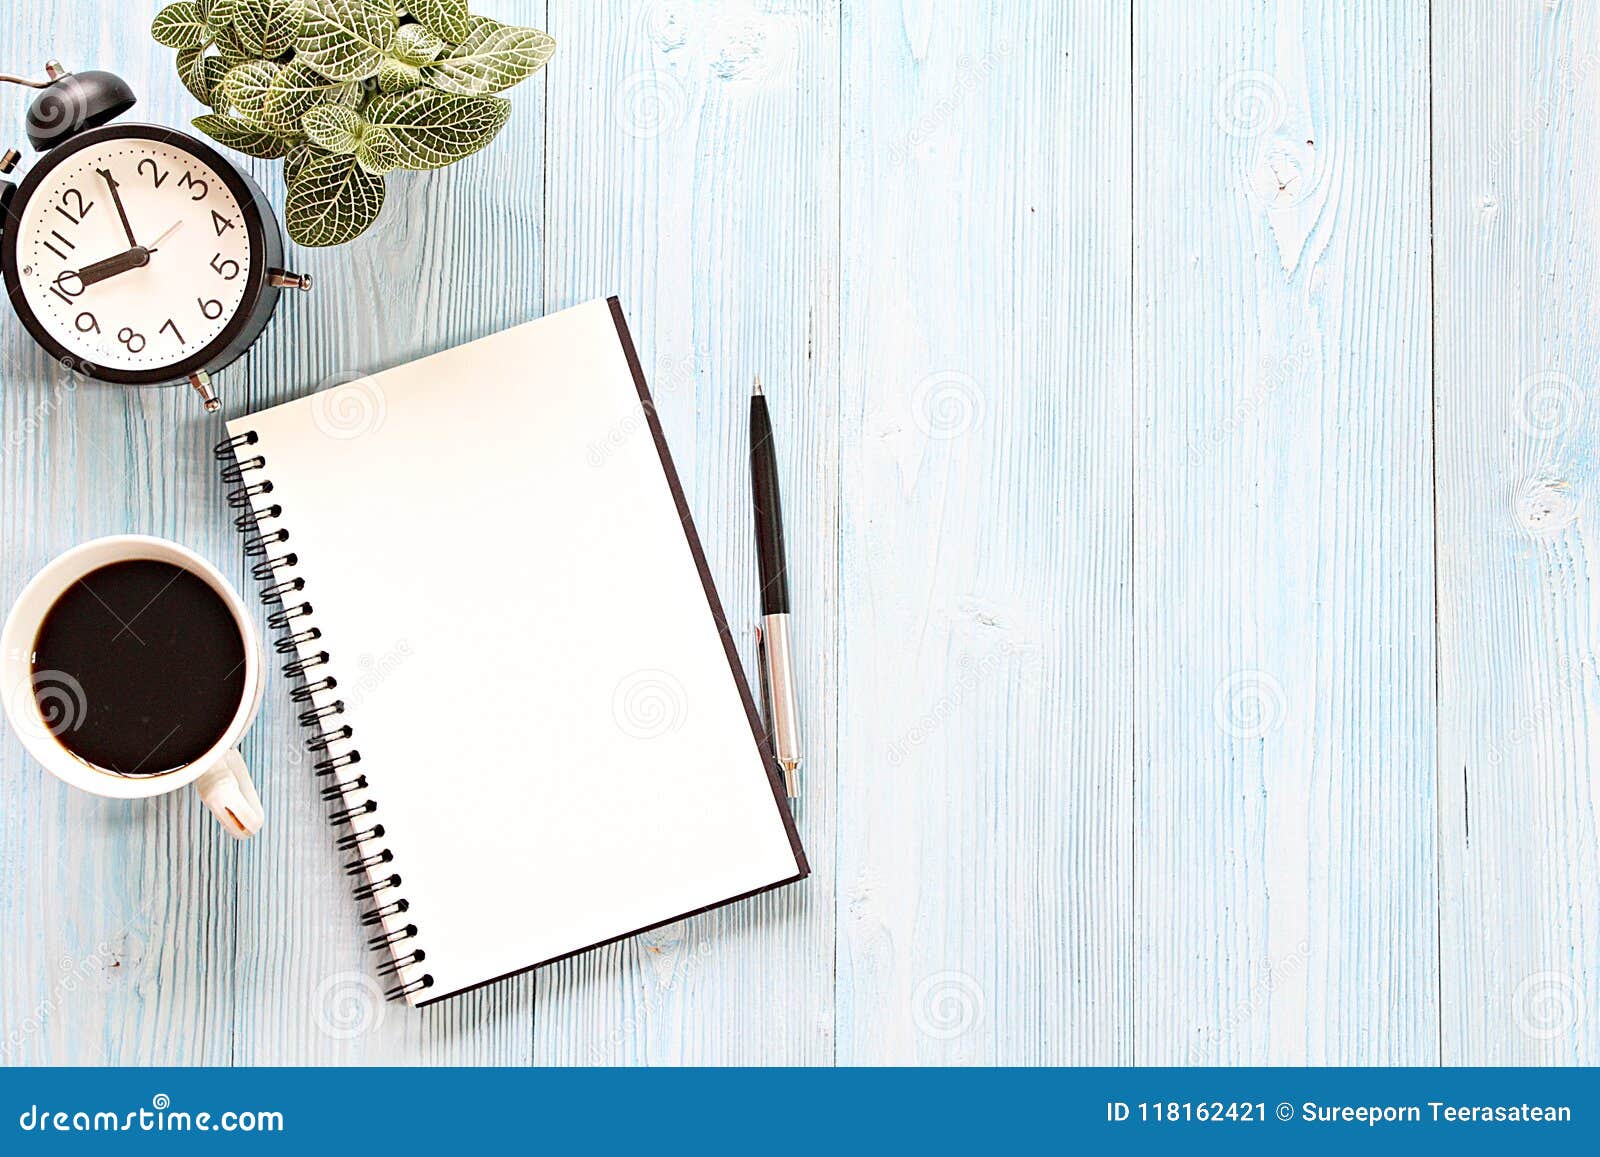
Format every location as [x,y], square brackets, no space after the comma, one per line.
[524,704]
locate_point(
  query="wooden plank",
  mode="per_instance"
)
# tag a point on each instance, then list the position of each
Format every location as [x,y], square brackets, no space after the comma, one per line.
[1283,555]
[985,860]
[1516,108]
[693,172]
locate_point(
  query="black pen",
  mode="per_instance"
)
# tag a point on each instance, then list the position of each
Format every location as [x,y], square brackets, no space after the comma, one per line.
[773,571]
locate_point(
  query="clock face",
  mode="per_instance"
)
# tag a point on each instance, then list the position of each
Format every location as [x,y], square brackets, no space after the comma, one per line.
[133,253]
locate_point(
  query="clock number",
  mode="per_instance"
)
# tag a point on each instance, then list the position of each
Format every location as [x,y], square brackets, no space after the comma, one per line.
[228,269]
[87,324]
[220,223]
[156,174]
[56,233]
[74,198]
[212,309]
[169,324]
[67,285]
[128,338]
[201,187]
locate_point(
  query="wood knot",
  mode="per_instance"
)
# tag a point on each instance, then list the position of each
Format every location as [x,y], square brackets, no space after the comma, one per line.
[1545,504]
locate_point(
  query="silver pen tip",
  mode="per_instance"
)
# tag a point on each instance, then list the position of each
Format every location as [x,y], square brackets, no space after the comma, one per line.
[756,391]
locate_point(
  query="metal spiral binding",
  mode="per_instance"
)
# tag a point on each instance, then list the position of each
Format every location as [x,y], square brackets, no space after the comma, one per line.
[347,793]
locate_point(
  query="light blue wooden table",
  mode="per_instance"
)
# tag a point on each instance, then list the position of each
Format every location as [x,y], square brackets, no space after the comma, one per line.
[1190,415]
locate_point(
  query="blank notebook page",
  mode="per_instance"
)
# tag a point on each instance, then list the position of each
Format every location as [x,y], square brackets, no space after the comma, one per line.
[554,732]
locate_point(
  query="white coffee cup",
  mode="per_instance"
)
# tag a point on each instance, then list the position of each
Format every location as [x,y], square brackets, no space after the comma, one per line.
[219,774]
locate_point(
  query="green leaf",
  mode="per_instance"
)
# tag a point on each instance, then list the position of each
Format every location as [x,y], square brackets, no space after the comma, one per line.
[180,26]
[331,200]
[398,76]
[492,58]
[268,28]
[446,19]
[241,135]
[433,129]
[298,88]
[228,49]
[300,154]
[222,14]
[245,89]
[417,44]
[333,127]
[378,153]
[346,39]
[202,76]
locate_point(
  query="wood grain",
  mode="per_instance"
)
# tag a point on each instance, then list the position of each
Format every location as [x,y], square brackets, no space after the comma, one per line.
[984,752]
[1516,111]
[1283,576]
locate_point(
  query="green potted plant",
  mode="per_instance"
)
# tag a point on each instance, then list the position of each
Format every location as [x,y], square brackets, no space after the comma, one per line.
[347,91]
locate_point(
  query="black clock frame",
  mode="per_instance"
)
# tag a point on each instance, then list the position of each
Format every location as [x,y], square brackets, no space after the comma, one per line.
[266,255]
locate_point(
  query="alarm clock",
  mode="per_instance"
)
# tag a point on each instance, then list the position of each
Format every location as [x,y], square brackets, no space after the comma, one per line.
[134,253]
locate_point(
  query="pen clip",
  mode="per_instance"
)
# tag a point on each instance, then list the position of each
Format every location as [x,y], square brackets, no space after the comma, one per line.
[765,684]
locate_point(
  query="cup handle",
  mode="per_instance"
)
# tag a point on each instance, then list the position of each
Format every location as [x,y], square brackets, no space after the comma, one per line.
[228,792]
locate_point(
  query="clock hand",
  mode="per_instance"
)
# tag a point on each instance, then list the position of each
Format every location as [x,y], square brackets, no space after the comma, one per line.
[116,199]
[100,270]
[168,232]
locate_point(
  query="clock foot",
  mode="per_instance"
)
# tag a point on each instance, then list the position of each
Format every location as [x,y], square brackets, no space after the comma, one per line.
[283,279]
[201,381]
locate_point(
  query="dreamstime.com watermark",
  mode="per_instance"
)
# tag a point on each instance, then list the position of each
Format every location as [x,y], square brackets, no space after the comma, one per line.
[1249,704]
[1291,964]
[349,1005]
[600,1052]
[159,1117]
[969,75]
[1544,108]
[1274,375]
[72,973]
[1553,704]
[1547,404]
[1549,1005]
[349,405]
[973,675]
[19,434]
[948,1004]
[649,703]
[669,376]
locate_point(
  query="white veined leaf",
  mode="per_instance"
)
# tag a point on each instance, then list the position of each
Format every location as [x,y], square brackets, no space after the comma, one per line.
[331,200]
[346,39]
[202,75]
[222,13]
[268,28]
[446,19]
[433,129]
[417,44]
[398,76]
[298,88]
[377,151]
[241,135]
[492,58]
[245,89]
[228,48]
[180,26]
[333,127]
[300,154]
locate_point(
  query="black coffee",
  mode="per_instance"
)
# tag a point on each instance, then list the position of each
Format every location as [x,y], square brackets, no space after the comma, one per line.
[138,668]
